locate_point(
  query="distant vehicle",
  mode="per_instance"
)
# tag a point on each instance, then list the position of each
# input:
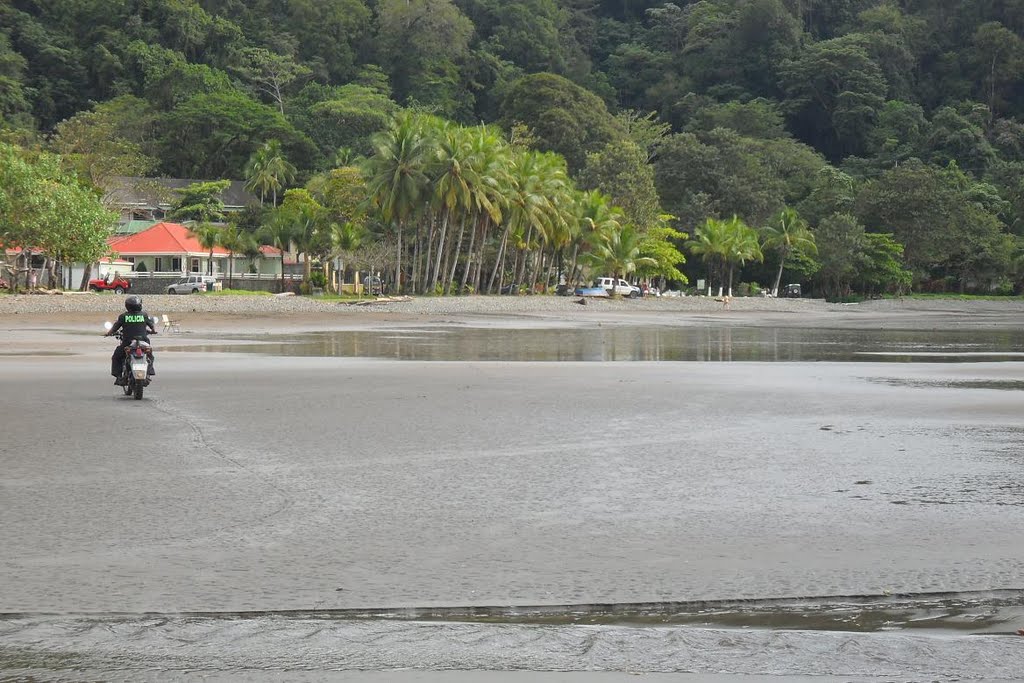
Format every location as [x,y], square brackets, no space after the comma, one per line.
[792,291]
[192,284]
[117,285]
[591,291]
[620,287]
[510,288]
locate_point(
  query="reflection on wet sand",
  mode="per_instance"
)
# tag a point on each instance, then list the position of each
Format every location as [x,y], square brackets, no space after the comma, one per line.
[715,344]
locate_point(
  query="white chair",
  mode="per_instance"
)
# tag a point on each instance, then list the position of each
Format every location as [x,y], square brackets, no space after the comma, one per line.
[170,325]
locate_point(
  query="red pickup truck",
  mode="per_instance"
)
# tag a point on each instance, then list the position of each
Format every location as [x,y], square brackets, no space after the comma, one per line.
[118,285]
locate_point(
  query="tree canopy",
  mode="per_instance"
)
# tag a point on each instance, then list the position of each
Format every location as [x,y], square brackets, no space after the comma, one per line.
[892,118]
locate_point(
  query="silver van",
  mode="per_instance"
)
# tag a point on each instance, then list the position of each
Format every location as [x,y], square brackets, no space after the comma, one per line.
[192,284]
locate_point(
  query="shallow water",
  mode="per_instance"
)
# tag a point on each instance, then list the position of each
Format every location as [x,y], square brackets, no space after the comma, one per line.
[611,343]
[880,639]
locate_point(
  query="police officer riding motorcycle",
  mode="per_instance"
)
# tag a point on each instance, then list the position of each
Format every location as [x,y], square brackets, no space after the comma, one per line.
[133,324]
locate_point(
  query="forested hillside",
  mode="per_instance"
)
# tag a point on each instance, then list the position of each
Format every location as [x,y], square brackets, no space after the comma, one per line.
[860,145]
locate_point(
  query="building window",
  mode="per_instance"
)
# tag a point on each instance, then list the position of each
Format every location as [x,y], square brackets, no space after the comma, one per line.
[194,266]
[176,264]
[158,263]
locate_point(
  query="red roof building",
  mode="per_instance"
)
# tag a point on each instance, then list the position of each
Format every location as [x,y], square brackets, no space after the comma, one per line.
[172,248]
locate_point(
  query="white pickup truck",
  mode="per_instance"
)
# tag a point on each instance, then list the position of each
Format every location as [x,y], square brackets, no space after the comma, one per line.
[621,287]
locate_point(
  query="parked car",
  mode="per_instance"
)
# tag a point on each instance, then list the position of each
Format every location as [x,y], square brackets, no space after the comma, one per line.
[620,286]
[117,285]
[192,284]
[792,291]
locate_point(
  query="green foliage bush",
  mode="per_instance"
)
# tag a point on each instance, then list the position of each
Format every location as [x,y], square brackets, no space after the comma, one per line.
[317,279]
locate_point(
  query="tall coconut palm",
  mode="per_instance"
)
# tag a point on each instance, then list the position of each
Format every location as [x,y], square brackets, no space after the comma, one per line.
[537,178]
[785,234]
[268,171]
[489,185]
[398,181]
[453,178]
[552,233]
[209,236]
[596,216]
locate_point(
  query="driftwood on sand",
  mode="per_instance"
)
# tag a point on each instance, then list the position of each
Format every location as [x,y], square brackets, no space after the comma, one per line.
[379,300]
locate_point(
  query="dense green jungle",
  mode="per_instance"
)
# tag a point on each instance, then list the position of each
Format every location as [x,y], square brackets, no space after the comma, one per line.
[459,146]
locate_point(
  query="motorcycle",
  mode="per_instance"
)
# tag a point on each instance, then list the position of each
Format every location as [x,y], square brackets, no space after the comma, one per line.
[135,370]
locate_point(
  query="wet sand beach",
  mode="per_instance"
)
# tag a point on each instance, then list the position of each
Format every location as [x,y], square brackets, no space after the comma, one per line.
[291,458]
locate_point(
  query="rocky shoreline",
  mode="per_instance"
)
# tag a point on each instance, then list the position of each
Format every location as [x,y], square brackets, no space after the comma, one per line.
[1002,313]
[91,302]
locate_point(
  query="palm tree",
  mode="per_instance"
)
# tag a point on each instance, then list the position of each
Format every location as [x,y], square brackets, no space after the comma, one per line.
[268,171]
[398,181]
[537,178]
[617,252]
[250,247]
[209,236]
[595,216]
[489,187]
[743,245]
[346,238]
[306,218]
[711,242]
[278,233]
[232,240]
[785,234]
[451,188]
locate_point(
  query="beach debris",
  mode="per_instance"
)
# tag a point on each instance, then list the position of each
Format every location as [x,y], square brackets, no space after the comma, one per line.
[379,300]
[582,301]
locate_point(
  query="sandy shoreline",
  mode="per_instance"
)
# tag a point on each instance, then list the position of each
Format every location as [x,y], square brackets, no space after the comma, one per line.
[337,481]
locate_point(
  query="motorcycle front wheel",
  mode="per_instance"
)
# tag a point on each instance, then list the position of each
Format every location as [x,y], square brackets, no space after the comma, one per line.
[138,391]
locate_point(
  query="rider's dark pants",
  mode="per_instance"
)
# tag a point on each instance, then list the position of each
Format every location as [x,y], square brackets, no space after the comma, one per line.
[117,360]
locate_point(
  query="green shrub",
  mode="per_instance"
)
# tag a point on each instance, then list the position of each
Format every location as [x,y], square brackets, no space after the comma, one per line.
[317,279]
